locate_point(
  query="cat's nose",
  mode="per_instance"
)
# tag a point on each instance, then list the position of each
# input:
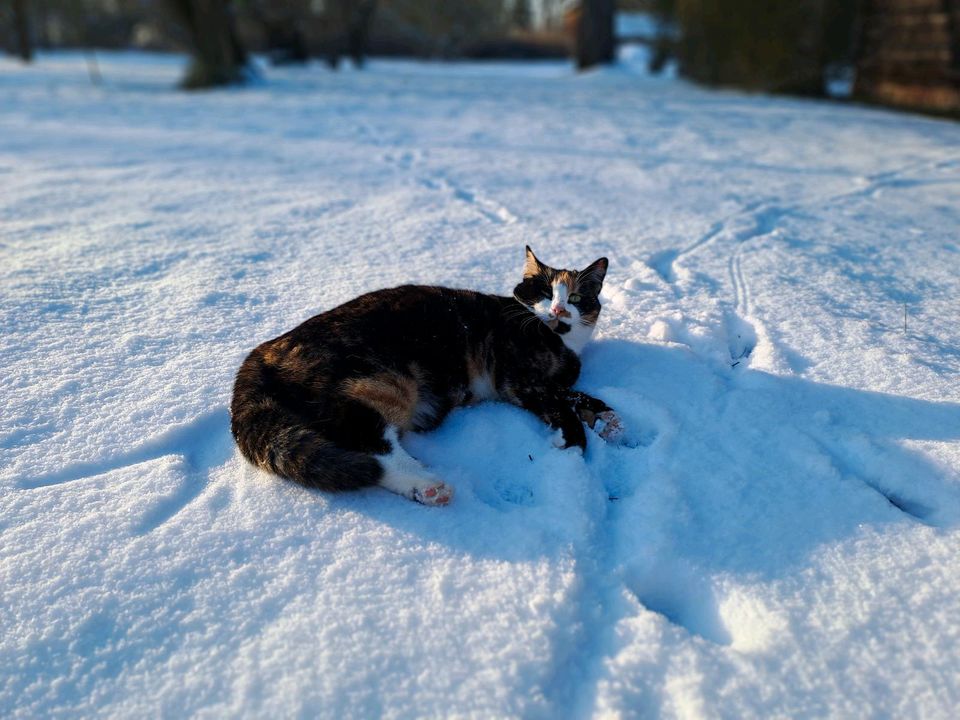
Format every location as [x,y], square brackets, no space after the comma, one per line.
[559,311]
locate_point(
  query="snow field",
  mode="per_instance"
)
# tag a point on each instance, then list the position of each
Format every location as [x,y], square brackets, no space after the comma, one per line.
[782,541]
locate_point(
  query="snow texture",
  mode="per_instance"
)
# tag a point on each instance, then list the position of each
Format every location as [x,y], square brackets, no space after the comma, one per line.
[779,332]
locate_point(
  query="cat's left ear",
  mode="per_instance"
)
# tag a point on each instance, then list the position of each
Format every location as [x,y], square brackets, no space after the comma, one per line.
[594,273]
[531,265]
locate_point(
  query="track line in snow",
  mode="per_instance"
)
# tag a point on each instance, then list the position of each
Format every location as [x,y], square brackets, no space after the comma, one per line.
[684,599]
[765,218]
[492,210]
[911,508]
[607,579]
[204,443]
[599,603]
[664,261]
[766,215]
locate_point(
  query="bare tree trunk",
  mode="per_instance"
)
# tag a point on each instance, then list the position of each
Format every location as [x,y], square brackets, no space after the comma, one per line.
[595,42]
[21,27]
[351,20]
[358,30]
[218,58]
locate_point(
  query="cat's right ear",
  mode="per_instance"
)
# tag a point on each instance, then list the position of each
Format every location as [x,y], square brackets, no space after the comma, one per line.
[531,266]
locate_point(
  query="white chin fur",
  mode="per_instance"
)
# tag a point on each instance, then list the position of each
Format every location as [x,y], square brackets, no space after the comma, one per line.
[579,334]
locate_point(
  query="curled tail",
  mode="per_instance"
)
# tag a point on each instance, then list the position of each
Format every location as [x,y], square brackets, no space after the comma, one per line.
[278,440]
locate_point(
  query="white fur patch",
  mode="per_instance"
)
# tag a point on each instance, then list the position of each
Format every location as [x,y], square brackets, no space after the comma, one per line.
[404,475]
[579,334]
[560,294]
[542,310]
[482,388]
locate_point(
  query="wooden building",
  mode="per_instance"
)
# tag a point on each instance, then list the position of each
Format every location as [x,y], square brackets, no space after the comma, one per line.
[908,54]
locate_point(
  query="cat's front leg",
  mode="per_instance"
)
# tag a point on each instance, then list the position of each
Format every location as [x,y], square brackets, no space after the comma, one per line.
[598,415]
[557,412]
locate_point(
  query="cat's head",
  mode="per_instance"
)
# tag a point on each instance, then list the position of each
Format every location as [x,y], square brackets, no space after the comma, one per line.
[566,301]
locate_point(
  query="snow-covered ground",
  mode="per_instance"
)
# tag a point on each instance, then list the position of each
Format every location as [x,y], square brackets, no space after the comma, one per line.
[784,541]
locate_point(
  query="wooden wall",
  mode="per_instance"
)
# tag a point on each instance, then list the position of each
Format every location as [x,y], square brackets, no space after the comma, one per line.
[908,54]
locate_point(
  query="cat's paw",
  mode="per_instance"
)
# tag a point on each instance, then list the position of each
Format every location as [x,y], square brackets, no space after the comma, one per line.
[435,493]
[610,427]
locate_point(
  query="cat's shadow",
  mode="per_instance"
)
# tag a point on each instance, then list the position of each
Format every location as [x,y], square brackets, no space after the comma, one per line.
[733,470]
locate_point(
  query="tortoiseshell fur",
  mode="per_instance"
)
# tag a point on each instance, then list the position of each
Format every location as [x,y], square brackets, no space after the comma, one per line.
[315,405]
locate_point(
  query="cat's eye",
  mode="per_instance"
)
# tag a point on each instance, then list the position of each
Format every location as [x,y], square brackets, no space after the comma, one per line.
[575,298]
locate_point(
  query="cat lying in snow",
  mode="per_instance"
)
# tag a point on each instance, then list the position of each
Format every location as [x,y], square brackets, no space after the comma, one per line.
[326,403]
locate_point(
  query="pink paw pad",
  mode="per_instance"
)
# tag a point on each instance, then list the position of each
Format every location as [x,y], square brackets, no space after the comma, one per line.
[437,494]
[610,427]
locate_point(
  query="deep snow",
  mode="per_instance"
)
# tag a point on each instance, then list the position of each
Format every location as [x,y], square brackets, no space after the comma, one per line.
[783,541]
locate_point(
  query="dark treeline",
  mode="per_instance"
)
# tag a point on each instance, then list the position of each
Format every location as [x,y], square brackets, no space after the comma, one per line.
[774,45]
[904,51]
[219,33]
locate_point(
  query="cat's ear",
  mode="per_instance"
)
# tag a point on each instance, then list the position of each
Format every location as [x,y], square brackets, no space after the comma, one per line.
[594,273]
[531,266]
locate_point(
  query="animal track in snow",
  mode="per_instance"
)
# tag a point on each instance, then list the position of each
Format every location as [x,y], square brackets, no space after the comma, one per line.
[684,598]
[203,443]
[511,492]
[662,264]
[492,210]
[741,338]
[802,452]
[664,261]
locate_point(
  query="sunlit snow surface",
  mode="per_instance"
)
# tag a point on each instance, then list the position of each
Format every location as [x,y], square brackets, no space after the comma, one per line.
[784,539]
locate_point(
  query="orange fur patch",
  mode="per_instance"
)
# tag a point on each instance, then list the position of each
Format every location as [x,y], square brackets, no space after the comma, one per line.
[567,278]
[531,266]
[393,396]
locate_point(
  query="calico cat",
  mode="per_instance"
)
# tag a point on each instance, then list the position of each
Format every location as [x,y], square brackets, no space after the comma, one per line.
[325,404]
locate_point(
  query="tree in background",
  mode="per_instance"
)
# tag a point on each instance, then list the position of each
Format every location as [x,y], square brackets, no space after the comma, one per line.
[293,31]
[280,29]
[21,30]
[352,20]
[594,42]
[217,58]
[775,45]
[440,29]
[520,16]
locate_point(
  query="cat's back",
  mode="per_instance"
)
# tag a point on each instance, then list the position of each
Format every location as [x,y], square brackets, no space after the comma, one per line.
[408,313]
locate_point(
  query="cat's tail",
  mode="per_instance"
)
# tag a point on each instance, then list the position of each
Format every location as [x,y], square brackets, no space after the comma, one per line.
[277,440]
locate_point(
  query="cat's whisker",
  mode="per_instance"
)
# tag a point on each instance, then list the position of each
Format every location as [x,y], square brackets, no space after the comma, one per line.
[516,314]
[516,310]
